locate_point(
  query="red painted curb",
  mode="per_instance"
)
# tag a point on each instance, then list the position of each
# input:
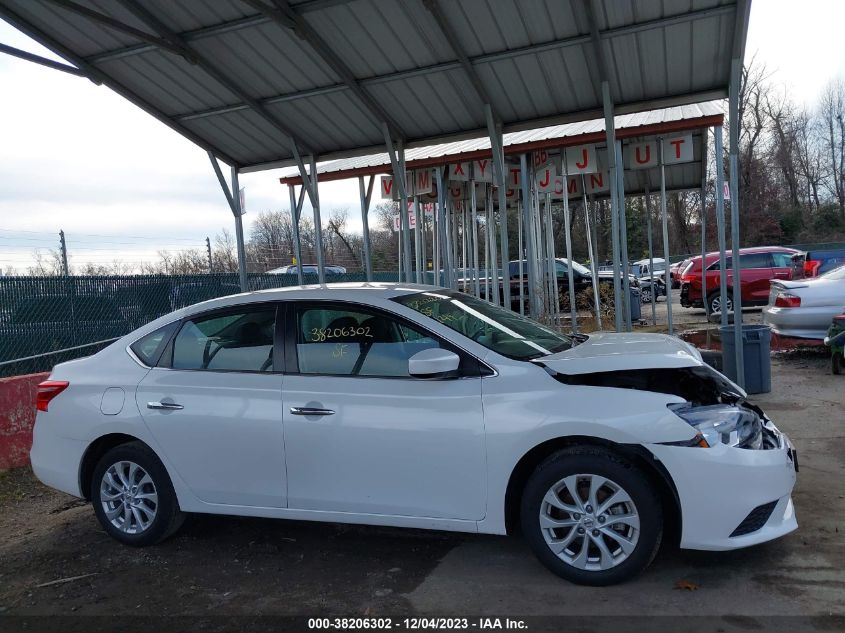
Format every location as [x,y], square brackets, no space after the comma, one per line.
[17,417]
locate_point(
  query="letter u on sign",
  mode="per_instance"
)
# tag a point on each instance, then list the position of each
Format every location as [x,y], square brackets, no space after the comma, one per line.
[642,155]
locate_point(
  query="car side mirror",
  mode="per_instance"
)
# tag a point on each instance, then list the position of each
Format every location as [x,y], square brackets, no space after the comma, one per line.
[433,362]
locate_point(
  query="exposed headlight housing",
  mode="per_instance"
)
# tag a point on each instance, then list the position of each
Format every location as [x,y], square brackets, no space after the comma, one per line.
[723,424]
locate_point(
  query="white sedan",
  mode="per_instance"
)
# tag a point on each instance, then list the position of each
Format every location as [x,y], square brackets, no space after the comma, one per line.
[804,308]
[415,406]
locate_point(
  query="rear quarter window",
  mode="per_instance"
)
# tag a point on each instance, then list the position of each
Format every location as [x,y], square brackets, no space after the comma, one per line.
[148,348]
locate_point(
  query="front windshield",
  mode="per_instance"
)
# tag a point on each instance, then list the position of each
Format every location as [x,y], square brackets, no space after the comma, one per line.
[836,273]
[500,330]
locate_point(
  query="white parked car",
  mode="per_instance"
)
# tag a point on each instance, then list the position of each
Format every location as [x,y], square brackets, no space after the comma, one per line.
[415,406]
[805,307]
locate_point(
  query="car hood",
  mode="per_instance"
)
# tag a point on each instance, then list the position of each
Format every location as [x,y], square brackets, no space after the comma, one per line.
[604,352]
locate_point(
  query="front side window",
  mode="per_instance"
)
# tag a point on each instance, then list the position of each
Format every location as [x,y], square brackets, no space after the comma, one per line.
[335,340]
[500,330]
[233,341]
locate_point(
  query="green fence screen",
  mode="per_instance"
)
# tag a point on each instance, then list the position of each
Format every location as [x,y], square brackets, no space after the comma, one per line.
[80,315]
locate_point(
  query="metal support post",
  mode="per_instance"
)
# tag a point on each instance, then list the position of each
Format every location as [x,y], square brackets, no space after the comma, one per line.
[520,249]
[665,222]
[610,133]
[493,249]
[529,240]
[496,146]
[703,224]
[733,113]
[418,230]
[623,236]
[239,231]
[318,223]
[551,272]
[720,227]
[474,236]
[465,246]
[295,211]
[442,232]
[366,197]
[234,202]
[591,251]
[651,258]
[397,162]
[207,252]
[567,233]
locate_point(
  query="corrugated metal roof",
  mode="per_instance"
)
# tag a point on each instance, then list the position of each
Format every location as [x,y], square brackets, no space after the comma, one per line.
[242,78]
[693,117]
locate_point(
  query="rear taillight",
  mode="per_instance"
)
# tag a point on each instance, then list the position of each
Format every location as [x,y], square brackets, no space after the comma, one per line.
[811,267]
[786,300]
[48,390]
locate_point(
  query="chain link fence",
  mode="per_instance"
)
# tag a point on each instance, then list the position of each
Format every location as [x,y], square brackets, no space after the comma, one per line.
[48,320]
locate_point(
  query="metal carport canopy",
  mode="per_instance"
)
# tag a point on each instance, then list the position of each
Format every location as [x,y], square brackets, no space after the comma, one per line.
[694,119]
[257,82]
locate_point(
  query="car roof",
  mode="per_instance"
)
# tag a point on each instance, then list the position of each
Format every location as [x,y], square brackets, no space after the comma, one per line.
[751,250]
[344,291]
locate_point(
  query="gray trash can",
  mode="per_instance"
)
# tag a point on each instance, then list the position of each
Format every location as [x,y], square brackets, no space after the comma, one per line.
[636,312]
[756,346]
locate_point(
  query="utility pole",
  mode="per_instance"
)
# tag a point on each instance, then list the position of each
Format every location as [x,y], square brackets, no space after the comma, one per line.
[208,250]
[63,250]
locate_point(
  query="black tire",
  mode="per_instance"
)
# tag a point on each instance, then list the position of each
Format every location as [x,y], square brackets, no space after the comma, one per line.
[837,363]
[716,296]
[167,519]
[587,460]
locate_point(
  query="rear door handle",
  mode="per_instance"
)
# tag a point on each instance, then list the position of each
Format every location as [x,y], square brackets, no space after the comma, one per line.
[310,411]
[167,406]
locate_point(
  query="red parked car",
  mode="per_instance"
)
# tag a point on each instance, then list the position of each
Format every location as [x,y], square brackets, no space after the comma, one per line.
[757,265]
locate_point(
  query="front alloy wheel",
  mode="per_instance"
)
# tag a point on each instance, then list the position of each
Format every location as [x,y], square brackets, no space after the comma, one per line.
[592,516]
[589,522]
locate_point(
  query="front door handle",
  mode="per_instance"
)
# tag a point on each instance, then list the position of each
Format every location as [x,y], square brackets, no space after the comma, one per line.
[166,406]
[310,411]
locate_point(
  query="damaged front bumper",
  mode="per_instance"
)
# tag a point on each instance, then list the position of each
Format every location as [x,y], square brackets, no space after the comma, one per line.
[733,497]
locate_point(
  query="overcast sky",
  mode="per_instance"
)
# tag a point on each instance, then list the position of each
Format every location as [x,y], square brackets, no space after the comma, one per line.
[77,157]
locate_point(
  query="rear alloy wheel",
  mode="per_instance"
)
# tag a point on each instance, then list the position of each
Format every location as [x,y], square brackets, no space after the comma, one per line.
[715,302]
[133,497]
[645,295]
[591,516]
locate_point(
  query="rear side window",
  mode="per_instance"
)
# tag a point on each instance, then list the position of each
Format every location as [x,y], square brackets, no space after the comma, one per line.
[148,348]
[234,341]
[782,260]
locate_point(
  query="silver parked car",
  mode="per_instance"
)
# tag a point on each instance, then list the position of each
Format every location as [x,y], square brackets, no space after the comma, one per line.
[805,307]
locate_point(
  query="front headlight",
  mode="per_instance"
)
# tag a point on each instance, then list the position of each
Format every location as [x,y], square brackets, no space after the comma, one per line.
[723,424]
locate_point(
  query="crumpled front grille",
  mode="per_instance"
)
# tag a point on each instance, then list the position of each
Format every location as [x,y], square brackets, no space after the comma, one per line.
[755,520]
